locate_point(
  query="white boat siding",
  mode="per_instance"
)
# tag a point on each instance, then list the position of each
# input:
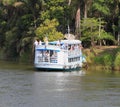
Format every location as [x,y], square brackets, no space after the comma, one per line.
[57,57]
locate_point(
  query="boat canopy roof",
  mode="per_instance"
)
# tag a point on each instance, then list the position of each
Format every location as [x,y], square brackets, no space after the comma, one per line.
[69,42]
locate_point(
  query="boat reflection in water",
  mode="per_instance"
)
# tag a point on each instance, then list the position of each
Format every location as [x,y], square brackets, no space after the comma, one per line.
[72,73]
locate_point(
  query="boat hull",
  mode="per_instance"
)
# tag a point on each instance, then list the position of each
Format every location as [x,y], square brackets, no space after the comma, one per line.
[56,67]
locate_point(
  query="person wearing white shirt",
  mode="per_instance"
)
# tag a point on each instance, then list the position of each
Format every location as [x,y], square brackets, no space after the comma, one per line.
[36,42]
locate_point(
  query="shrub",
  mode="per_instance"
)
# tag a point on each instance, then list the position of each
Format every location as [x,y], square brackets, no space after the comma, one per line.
[90,58]
[117,61]
[107,60]
[24,58]
[2,54]
[98,60]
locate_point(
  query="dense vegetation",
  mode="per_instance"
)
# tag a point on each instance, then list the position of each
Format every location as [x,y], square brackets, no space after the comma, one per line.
[105,57]
[95,22]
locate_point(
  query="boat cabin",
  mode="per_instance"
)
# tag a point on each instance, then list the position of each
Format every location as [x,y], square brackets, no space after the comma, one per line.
[63,54]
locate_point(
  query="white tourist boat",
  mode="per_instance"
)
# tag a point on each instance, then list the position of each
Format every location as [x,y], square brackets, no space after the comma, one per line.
[59,55]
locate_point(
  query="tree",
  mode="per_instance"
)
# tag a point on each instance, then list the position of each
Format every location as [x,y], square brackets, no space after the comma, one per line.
[92,30]
[20,18]
[48,29]
[80,8]
[34,7]
[59,10]
[109,11]
[2,25]
[101,7]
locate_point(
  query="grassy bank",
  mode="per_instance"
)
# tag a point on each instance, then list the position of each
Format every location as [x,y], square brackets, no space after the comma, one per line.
[103,57]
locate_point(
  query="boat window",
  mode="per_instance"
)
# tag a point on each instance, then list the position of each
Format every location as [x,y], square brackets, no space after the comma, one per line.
[46,56]
[74,50]
[53,58]
[74,59]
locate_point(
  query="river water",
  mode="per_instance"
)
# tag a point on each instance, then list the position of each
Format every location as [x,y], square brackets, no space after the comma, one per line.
[22,86]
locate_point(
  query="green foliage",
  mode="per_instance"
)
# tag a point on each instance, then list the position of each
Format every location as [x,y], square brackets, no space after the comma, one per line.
[106,36]
[20,20]
[53,12]
[11,39]
[90,58]
[105,60]
[98,60]
[59,10]
[89,27]
[92,30]
[117,60]
[25,57]
[25,20]
[108,60]
[102,7]
[48,28]
[2,55]
[8,2]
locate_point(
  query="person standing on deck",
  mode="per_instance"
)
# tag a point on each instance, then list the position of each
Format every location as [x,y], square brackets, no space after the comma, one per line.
[36,42]
[46,41]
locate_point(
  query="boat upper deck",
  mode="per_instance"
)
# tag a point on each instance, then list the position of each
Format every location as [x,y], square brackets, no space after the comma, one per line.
[56,51]
[65,42]
[58,45]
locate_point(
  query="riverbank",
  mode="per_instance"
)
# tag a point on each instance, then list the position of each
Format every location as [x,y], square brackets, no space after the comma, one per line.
[99,57]
[103,57]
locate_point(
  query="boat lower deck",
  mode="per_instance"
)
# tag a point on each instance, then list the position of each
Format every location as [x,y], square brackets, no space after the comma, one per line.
[48,66]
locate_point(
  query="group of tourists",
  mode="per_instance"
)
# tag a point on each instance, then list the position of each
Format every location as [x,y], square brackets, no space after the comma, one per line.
[39,42]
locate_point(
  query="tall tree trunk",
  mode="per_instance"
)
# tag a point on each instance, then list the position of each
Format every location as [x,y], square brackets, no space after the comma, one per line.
[77,23]
[119,26]
[87,4]
[85,10]
[69,2]
[100,31]
[119,31]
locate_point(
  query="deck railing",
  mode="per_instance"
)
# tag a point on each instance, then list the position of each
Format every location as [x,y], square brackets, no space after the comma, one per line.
[47,59]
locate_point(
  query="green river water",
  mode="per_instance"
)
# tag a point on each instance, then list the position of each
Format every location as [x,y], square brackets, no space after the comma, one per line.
[22,86]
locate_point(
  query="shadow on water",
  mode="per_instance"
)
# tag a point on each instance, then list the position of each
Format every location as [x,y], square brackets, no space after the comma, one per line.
[16,65]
